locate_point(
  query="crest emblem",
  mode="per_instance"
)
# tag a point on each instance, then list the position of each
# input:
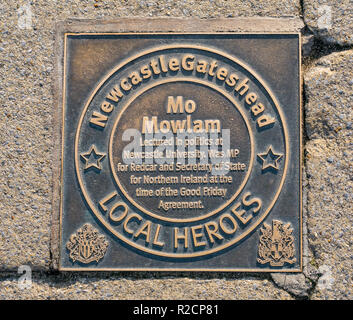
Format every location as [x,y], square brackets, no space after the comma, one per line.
[276,244]
[87,245]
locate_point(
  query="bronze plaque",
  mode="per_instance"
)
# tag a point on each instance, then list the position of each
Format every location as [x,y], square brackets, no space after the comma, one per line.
[181,151]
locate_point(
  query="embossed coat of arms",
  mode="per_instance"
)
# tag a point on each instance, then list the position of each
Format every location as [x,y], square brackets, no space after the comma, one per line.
[276,245]
[87,245]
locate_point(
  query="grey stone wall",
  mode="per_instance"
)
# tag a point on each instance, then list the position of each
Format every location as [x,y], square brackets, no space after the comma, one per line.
[27,57]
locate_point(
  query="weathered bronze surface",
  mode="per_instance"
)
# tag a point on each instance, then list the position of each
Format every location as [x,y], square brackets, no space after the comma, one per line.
[181,152]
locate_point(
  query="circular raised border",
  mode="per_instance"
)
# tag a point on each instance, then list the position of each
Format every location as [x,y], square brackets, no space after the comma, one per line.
[236,239]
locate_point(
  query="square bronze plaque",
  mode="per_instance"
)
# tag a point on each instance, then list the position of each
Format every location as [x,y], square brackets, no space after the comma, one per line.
[180,150]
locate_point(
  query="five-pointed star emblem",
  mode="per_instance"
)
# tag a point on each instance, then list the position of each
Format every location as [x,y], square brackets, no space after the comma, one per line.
[270,159]
[93,158]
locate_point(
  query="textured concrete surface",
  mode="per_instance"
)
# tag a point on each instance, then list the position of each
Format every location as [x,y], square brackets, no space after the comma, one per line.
[328,87]
[26,106]
[150,287]
[329,157]
[331,20]
[26,73]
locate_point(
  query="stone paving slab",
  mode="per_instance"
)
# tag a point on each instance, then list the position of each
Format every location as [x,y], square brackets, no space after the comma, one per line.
[329,157]
[330,20]
[328,89]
